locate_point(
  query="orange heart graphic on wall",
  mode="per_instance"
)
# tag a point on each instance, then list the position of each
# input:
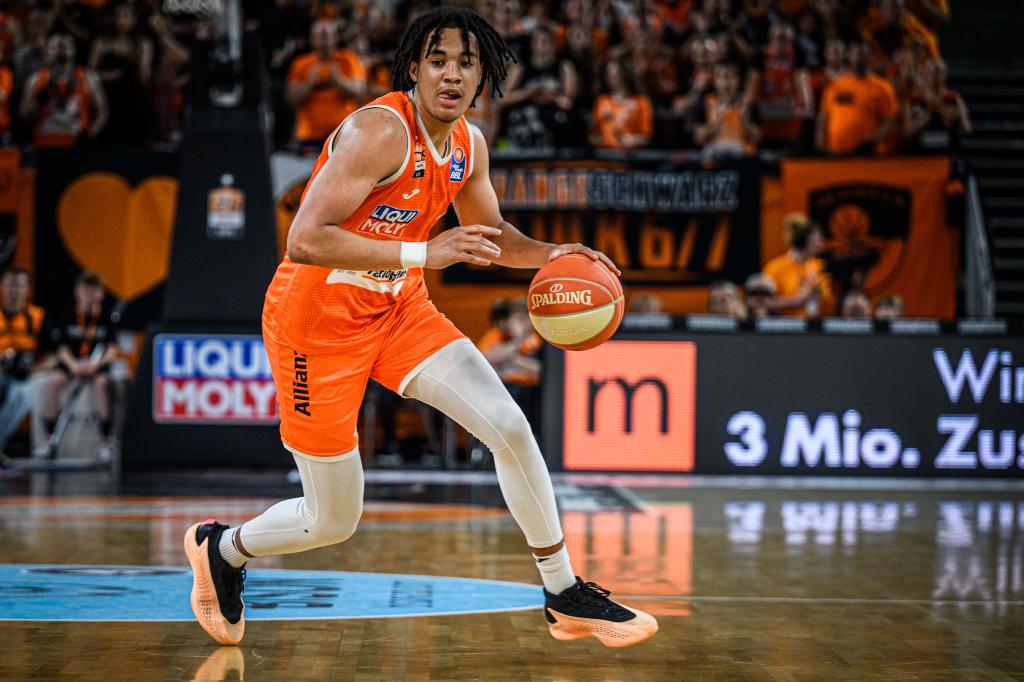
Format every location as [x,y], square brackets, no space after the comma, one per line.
[122,232]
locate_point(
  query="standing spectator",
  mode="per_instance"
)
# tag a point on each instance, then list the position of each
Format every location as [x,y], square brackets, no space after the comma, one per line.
[803,289]
[84,337]
[782,87]
[123,59]
[537,109]
[727,128]
[513,348]
[724,299]
[21,341]
[890,307]
[935,117]
[622,117]
[30,54]
[63,101]
[833,68]
[324,86]
[760,294]
[10,33]
[858,110]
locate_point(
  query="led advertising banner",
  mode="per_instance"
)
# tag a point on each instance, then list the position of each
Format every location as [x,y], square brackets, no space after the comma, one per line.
[212,379]
[775,404]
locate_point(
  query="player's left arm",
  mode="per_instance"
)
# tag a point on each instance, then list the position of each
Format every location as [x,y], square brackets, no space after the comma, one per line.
[477,204]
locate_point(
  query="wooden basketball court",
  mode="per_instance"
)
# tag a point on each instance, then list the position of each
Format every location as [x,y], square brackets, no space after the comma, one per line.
[748,582]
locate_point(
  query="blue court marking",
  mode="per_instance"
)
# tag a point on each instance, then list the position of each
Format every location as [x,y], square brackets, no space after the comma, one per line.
[161,593]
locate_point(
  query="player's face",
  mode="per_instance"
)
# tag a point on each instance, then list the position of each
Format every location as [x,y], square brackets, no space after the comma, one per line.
[447,78]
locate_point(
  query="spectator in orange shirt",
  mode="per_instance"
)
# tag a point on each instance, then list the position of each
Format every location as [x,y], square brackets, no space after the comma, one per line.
[858,109]
[802,287]
[63,101]
[324,86]
[728,127]
[623,119]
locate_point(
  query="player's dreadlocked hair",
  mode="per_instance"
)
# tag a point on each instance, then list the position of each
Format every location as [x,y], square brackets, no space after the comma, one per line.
[495,54]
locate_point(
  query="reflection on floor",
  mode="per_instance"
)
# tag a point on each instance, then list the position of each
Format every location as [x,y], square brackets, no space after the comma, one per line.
[749,580]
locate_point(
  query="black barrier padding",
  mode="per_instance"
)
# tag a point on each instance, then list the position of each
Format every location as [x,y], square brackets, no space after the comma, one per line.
[222,280]
[150,445]
[834,405]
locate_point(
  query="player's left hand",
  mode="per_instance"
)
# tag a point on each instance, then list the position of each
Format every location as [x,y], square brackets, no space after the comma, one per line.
[563,249]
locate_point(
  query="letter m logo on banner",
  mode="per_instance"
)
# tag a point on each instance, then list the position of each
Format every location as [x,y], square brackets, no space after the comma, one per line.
[630,406]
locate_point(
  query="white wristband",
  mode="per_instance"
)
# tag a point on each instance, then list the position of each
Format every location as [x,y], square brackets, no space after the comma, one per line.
[413,254]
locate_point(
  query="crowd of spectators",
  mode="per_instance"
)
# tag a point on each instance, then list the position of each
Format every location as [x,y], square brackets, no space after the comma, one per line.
[727,76]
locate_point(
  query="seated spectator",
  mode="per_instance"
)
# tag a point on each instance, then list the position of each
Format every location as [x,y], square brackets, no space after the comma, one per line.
[84,338]
[324,86]
[936,117]
[727,128]
[537,108]
[760,294]
[724,299]
[622,117]
[123,59]
[856,304]
[644,303]
[803,289]
[63,101]
[889,307]
[858,109]
[22,339]
[513,348]
[780,84]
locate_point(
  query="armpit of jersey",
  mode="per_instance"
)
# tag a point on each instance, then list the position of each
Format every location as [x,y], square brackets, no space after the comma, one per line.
[383,281]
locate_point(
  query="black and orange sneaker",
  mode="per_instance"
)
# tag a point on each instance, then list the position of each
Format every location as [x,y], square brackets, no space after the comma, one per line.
[216,585]
[584,610]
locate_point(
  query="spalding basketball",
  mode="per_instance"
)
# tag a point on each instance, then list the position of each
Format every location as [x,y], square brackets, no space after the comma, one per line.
[575,303]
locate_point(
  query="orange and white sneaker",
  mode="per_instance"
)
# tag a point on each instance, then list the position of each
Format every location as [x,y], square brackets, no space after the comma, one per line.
[584,610]
[216,585]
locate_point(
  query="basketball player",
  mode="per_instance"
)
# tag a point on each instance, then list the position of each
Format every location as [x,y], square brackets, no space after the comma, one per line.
[349,303]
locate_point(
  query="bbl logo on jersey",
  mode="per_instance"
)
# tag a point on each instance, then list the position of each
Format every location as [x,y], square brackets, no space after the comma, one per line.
[458,165]
[388,220]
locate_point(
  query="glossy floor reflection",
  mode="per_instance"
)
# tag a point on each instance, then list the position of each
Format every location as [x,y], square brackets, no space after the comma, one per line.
[775,583]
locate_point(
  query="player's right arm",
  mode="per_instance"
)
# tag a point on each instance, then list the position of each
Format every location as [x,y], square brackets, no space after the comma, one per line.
[372,145]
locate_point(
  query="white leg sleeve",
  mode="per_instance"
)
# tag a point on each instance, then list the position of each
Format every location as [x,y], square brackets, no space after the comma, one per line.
[459,382]
[327,513]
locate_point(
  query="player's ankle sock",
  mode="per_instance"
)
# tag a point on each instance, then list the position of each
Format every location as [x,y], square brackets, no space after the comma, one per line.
[556,571]
[228,551]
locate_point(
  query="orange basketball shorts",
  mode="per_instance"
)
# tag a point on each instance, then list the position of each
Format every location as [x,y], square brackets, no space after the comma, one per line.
[319,393]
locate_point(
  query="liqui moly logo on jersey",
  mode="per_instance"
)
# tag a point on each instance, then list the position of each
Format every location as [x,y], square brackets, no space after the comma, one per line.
[458,165]
[222,379]
[388,220]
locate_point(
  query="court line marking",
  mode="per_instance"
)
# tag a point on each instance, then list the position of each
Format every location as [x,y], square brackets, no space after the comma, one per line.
[820,600]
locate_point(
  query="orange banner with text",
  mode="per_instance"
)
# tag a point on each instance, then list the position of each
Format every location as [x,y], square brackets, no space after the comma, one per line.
[891,214]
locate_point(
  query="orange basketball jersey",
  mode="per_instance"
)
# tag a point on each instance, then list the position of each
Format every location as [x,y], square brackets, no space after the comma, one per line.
[313,307]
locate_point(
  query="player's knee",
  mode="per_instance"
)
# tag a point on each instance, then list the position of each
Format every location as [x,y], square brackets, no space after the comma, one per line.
[335,528]
[512,427]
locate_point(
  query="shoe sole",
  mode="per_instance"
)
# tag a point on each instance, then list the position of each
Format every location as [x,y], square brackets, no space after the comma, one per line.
[609,633]
[203,598]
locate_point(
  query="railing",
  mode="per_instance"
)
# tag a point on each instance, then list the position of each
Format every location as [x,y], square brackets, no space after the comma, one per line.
[979,282]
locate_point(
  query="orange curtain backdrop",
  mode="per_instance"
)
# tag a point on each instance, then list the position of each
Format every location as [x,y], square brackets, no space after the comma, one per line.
[896,206]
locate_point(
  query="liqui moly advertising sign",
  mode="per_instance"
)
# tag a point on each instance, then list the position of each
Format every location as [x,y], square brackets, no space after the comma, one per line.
[212,379]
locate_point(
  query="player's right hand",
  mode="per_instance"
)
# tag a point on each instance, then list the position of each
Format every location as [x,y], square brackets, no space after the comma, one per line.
[463,244]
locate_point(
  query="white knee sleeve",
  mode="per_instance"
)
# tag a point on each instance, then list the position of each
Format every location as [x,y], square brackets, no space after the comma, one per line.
[327,513]
[459,382]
